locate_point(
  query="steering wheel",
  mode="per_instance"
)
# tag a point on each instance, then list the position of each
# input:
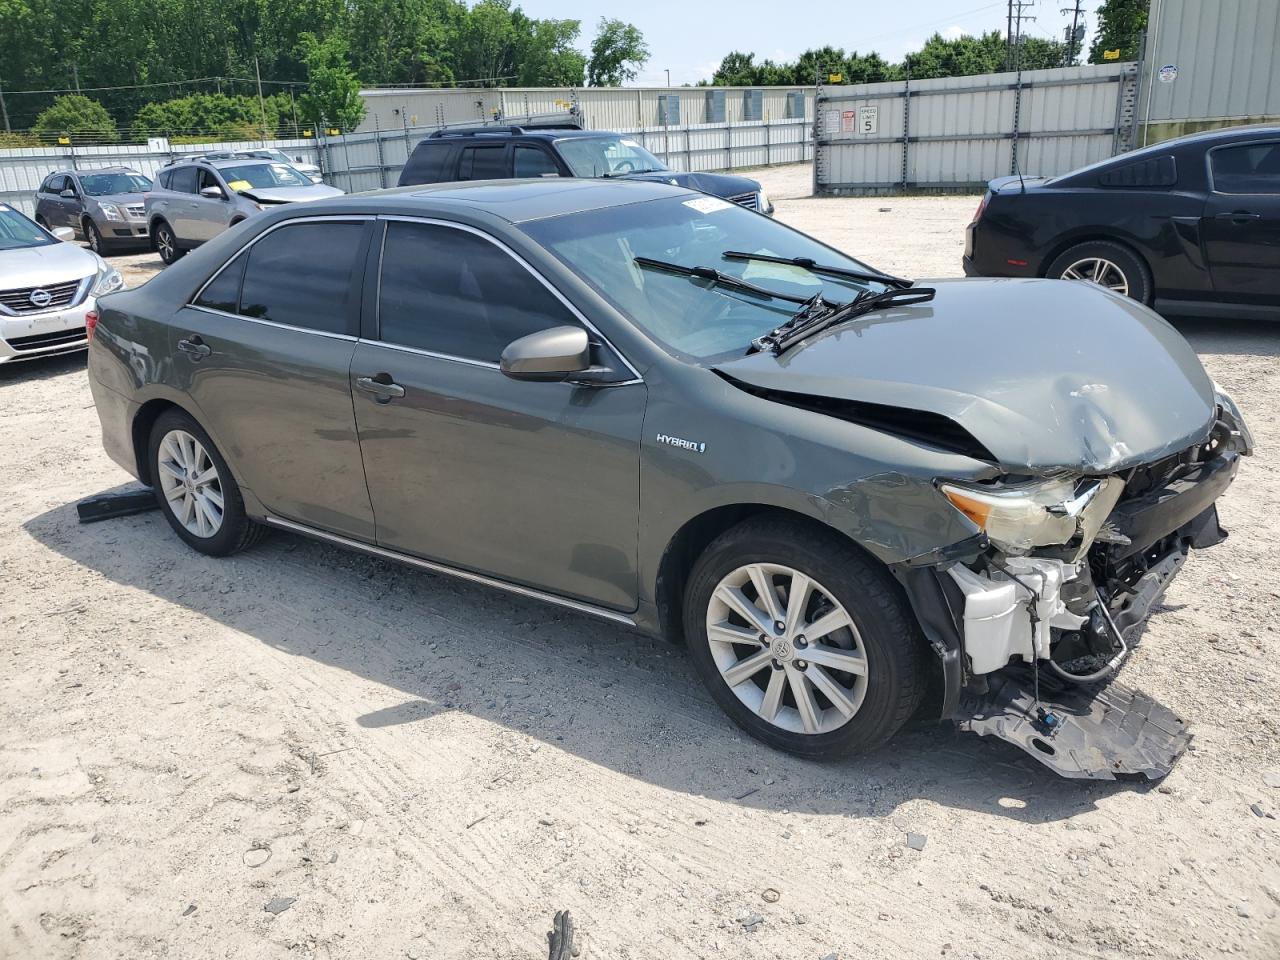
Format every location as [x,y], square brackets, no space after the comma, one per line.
[624,166]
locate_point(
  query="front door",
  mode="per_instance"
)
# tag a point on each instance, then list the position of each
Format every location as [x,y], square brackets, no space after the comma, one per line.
[534,483]
[1241,225]
[264,351]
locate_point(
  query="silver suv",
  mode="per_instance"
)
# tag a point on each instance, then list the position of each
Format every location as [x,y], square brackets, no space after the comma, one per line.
[104,207]
[194,200]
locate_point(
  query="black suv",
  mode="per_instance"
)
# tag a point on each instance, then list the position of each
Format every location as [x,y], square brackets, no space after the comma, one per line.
[500,153]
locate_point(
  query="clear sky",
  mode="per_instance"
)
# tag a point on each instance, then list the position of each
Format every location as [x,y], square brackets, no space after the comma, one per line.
[689,37]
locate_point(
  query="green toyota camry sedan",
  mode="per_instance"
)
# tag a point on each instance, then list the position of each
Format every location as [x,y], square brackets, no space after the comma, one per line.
[840,489]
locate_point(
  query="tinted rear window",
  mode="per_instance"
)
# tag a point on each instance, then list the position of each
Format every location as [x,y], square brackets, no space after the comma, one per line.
[304,275]
[183,180]
[224,292]
[483,163]
[1248,168]
[428,164]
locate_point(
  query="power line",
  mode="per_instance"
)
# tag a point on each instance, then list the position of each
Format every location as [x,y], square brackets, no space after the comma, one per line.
[1074,33]
[149,86]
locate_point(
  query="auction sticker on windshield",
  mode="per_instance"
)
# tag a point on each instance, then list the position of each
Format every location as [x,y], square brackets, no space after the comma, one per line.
[708,204]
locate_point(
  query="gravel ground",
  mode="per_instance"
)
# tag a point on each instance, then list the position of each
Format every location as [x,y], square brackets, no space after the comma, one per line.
[300,752]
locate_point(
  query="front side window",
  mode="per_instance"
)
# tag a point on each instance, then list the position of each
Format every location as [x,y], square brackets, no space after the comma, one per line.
[183,180]
[206,179]
[448,291]
[304,275]
[16,231]
[483,163]
[1249,168]
[534,162]
[263,176]
[106,184]
[607,156]
[689,316]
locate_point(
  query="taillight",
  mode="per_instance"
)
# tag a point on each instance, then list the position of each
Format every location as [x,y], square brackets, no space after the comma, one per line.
[90,324]
[982,206]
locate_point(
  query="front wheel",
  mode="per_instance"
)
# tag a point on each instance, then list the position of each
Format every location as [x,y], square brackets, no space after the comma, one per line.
[167,244]
[94,237]
[1106,264]
[195,489]
[802,639]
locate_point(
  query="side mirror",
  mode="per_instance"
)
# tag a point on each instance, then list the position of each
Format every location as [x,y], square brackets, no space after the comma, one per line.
[65,234]
[297,159]
[212,193]
[548,355]
[68,194]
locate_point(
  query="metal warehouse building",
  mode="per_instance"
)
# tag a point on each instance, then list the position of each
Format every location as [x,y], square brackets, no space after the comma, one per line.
[1209,63]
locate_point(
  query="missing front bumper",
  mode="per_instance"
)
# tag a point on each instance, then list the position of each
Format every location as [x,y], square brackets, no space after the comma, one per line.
[1108,731]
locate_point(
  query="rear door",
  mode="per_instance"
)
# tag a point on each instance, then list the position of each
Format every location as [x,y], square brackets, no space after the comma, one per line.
[264,351]
[1241,225]
[180,205]
[533,483]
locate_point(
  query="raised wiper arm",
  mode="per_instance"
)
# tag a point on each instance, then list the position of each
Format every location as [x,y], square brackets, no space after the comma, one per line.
[804,263]
[720,279]
[807,323]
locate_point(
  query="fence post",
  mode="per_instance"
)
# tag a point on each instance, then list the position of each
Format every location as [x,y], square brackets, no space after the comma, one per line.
[382,164]
[767,154]
[906,130]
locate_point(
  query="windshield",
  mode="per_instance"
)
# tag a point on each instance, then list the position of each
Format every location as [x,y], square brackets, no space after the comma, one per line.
[16,231]
[690,316]
[262,176]
[606,156]
[105,184]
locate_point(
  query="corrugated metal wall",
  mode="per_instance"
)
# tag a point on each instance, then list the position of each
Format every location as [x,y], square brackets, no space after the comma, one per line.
[23,170]
[1225,53]
[602,108]
[958,132]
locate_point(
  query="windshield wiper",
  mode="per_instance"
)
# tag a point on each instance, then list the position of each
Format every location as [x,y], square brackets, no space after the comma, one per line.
[805,263]
[731,282]
[809,321]
[627,173]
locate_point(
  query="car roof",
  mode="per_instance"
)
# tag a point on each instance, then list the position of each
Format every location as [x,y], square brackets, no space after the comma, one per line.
[89,173]
[516,201]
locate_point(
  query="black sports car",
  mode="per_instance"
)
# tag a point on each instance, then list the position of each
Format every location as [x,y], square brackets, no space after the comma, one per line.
[1190,226]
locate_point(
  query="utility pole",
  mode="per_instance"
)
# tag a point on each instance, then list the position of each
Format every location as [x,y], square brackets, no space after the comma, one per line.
[1018,17]
[1008,39]
[4,109]
[1074,33]
[262,104]
[75,75]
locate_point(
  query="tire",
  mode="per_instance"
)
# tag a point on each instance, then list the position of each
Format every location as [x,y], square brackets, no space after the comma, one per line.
[168,447]
[847,586]
[1123,270]
[94,238]
[166,242]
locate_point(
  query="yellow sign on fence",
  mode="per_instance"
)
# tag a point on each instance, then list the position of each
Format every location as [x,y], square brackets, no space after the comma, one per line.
[1111,54]
[835,78]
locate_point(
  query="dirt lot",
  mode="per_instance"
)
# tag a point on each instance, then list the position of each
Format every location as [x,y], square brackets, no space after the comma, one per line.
[416,767]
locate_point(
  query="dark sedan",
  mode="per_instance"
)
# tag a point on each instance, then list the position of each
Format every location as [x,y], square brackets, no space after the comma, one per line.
[1190,226]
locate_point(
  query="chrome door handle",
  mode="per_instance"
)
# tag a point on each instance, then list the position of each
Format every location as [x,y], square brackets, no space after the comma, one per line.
[196,347]
[384,391]
[1239,216]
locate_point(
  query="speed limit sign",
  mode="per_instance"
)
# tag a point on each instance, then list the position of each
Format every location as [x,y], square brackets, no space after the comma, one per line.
[868,121]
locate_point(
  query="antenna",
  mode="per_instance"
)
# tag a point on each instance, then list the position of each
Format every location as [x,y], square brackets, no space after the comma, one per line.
[1017,7]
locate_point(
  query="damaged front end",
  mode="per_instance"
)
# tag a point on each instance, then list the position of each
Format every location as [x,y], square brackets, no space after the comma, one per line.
[1033,616]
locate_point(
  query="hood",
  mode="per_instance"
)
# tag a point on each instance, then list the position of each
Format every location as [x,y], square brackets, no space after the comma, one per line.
[120,199]
[317,191]
[42,266]
[718,184]
[1046,375]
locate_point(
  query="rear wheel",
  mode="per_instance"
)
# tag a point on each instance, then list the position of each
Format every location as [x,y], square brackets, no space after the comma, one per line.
[195,489]
[167,243]
[802,639]
[1108,264]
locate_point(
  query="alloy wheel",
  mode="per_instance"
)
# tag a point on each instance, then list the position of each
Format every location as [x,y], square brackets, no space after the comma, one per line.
[95,238]
[190,483]
[164,244]
[787,648]
[1098,270]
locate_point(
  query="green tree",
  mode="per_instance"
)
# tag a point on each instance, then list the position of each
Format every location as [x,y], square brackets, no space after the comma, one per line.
[1120,27]
[213,116]
[74,115]
[333,95]
[737,70]
[617,53]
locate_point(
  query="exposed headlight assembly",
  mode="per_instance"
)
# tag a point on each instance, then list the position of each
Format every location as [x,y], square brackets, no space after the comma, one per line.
[1018,517]
[108,279]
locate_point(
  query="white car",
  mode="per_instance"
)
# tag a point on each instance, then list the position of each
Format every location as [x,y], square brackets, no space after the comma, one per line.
[310,169]
[47,289]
